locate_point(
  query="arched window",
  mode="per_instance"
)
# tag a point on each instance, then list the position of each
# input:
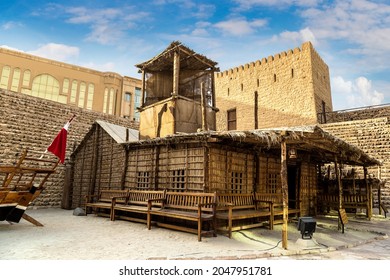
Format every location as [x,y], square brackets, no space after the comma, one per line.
[5,77]
[83,88]
[112,100]
[105,100]
[15,80]
[91,91]
[65,86]
[48,87]
[73,92]
[26,78]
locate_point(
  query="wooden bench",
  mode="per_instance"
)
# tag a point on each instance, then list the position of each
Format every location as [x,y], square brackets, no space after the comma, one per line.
[351,201]
[234,207]
[185,206]
[104,200]
[136,203]
[276,200]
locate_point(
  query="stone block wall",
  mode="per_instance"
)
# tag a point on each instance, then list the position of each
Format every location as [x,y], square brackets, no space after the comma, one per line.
[32,123]
[372,135]
[287,89]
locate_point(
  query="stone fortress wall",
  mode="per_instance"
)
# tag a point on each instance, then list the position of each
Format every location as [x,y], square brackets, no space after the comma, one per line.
[31,123]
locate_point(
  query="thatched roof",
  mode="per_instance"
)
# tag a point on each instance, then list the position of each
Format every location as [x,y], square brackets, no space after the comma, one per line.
[189,60]
[321,145]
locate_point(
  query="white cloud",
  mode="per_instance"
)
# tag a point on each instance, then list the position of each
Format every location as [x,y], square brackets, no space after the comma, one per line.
[10,25]
[278,4]
[298,37]
[238,27]
[357,93]
[57,52]
[10,48]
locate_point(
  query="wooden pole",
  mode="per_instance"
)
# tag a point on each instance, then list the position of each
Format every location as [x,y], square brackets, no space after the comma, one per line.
[340,187]
[369,194]
[284,181]
[204,107]
[143,89]
[176,73]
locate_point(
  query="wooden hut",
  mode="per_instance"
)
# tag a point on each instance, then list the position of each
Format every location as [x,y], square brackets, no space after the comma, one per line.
[97,163]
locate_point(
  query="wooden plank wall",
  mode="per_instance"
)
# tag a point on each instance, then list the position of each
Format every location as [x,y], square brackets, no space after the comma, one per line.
[99,164]
[231,171]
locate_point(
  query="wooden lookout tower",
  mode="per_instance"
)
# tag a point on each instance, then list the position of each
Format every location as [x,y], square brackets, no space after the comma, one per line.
[177,93]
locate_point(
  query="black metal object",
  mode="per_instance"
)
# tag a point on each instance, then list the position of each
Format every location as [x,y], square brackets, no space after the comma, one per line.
[307,226]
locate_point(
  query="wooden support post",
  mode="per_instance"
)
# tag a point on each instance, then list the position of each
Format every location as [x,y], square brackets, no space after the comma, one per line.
[31,220]
[284,181]
[143,88]
[176,73]
[369,194]
[340,187]
[204,107]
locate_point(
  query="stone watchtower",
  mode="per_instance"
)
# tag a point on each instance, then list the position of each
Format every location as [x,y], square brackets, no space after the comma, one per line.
[291,88]
[177,93]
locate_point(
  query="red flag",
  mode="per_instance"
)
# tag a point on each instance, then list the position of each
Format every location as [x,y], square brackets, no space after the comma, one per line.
[58,146]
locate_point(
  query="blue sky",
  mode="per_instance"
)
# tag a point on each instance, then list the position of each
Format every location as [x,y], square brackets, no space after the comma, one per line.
[352,36]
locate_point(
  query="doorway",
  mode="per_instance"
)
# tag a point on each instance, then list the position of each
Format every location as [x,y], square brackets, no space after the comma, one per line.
[293,185]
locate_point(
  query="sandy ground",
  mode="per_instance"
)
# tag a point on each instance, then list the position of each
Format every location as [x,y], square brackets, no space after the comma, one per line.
[68,237]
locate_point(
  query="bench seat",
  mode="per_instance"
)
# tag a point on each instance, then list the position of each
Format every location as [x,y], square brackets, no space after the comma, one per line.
[136,202]
[104,199]
[234,207]
[185,206]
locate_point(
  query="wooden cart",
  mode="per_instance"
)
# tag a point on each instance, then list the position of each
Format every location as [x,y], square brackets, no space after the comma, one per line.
[20,184]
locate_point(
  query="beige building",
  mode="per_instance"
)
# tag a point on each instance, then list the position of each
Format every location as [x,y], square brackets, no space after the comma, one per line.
[288,89]
[105,92]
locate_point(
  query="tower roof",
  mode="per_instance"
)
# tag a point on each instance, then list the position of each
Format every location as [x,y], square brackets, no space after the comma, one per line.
[189,60]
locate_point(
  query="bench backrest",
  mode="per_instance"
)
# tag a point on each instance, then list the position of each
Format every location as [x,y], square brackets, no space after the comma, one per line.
[350,198]
[141,197]
[239,200]
[107,195]
[190,200]
[271,197]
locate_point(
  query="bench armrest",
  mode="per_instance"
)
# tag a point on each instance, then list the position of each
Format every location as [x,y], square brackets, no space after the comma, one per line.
[150,202]
[113,199]
[89,196]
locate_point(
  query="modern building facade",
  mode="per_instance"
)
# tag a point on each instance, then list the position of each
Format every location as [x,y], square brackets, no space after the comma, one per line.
[105,92]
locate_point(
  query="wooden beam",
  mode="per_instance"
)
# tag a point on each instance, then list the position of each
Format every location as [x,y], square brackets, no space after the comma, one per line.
[176,73]
[204,107]
[369,194]
[284,181]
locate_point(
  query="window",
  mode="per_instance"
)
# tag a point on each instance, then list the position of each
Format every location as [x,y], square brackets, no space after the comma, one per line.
[73,92]
[272,182]
[137,103]
[242,87]
[65,86]
[274,77]
[128,97]
[83,88]
[5,77]
[143,180]
[26,78]
[178,180]
[15,80]
[236,182]
[46,86]
[105,100]
[111,101]
[292,73]
[231,119]
[91,91]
